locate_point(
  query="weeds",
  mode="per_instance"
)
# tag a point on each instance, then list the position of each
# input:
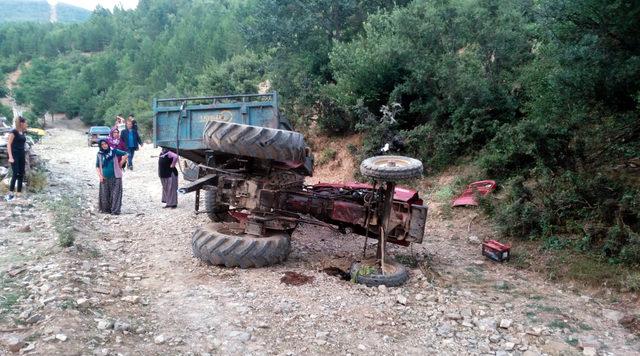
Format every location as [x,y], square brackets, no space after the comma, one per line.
[10,294]
[407,260]
[560,324]
[585,327]
[445,194]
[632,282]
[65,212]
[37,179]
[572,341]
[327,155]
[362,271]
[352,149]
[68,303]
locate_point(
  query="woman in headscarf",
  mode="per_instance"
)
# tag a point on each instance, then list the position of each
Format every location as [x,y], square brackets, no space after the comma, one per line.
[110,174]
[168,177]
[115,142]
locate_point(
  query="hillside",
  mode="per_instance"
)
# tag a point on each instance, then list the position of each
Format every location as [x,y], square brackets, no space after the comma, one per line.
[39,11]
[541,96]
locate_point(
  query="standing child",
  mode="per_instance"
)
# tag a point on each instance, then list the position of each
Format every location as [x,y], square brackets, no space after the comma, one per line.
[168,177]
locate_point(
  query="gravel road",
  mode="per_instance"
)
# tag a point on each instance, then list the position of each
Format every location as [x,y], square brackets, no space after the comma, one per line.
[130,286]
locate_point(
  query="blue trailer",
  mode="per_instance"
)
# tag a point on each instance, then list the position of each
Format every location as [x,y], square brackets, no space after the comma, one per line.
[251,123]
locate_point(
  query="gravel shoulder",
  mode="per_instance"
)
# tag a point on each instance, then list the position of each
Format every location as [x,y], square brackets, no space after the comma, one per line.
[130,285]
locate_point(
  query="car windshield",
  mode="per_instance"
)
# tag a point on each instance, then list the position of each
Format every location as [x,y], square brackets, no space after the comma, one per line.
[100,130]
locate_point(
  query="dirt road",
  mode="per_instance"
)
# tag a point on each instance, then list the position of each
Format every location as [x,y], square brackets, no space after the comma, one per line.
[130,286]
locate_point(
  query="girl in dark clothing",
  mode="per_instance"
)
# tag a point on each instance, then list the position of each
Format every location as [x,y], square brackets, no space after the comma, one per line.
[15,145]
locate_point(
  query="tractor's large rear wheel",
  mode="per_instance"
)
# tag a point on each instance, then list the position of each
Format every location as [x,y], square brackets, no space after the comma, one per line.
[217,245]
[255,141]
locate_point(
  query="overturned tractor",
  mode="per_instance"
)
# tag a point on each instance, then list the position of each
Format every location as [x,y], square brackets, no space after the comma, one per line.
[251,167]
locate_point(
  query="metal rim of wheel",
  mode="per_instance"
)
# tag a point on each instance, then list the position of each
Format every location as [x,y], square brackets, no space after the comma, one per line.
[391,168]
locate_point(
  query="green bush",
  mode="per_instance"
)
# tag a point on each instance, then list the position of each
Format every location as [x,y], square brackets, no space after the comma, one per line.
[327,155]
[65,212]
[37,180]
[6,112]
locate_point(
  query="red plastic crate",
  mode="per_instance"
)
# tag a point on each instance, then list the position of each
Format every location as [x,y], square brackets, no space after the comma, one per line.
[496,251]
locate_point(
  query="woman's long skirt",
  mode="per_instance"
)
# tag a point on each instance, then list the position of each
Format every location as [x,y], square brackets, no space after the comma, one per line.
[110,197]
[170,190]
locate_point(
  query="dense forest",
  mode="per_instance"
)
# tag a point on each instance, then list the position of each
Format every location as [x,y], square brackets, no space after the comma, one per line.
[39,11]
[542,95]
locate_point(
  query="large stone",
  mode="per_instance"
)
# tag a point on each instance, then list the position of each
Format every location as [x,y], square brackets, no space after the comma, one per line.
[34,319]
[159,339]
[240,335]
[105,324]
[13,343]
[613,315]
[453,316]
[133,299]
[119,325]
[487,324]
[556,348]
[401,299]
[505,323]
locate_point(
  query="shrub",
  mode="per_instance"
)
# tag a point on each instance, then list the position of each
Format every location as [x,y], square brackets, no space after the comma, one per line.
[37,180]
[65,212]
[327,155]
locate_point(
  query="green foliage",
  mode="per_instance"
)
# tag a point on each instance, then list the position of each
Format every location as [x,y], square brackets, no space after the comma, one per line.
[65,213]
[242,73]
[327,155]
[39,11]
[37,180]
[542,95]
[364,270]
[32,119]
[6,112]
[454,79]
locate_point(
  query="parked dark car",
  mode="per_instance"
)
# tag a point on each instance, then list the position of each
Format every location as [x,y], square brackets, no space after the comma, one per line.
[97,133]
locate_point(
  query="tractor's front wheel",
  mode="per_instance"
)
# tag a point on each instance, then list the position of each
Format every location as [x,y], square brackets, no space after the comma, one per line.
[391,168]
[217,245]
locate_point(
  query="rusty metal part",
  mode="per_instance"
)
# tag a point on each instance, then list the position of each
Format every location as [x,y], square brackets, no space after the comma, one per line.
[366,224]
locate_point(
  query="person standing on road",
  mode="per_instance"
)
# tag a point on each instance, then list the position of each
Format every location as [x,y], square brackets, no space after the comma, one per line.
[131,140]
[169,178]
[110,175]
[17,157]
